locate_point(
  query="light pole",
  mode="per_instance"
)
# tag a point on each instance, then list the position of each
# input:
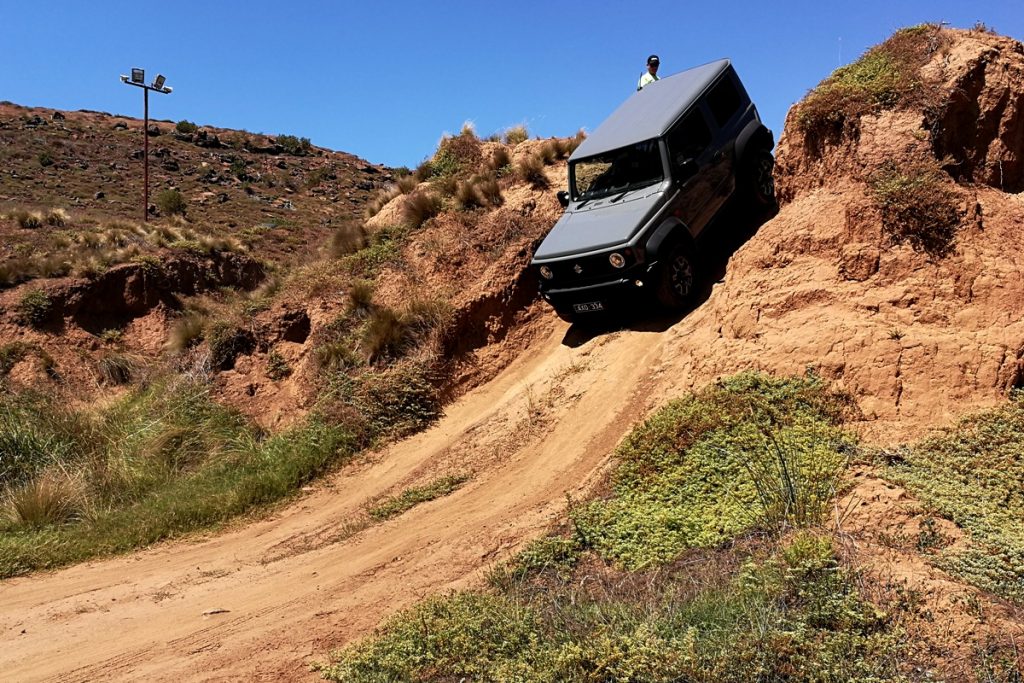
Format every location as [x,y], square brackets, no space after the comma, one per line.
[138,79]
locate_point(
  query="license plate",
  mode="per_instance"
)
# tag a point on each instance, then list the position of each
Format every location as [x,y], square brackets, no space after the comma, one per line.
[588,307]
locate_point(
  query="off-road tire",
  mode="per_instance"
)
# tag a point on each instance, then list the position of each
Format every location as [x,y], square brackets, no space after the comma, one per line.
[677,282]
[759,178]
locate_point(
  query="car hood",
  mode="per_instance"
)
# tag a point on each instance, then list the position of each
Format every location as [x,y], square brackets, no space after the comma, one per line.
[599,224]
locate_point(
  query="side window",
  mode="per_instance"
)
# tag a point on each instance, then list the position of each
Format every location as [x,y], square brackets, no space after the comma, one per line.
[689,138]
[723,100]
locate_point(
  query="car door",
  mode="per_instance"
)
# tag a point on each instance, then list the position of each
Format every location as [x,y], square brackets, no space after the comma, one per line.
[689,152]
[722,109]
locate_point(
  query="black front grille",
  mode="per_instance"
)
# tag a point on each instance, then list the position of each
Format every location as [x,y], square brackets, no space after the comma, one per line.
[587,270]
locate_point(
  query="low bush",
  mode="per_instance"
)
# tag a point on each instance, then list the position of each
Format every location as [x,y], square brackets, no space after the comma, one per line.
[886,77]
[752,452]
[185,127]
[919,205]
[35,308]
[294,145]
[171,203]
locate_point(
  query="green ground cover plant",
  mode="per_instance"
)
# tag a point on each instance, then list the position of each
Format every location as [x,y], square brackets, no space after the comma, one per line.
[919,205]
[886,77]
[749,452]
[971,474]
[764,607]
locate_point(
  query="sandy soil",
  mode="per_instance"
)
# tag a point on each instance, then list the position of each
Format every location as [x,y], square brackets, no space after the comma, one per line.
[265,600]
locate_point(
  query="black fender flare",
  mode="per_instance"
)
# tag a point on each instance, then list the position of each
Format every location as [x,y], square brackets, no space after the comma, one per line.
[665,235]
[756,136]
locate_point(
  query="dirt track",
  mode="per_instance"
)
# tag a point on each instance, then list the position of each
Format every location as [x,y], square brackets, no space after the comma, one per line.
[264,600]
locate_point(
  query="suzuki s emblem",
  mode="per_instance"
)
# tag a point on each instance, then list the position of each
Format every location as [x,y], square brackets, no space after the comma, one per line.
[578,268]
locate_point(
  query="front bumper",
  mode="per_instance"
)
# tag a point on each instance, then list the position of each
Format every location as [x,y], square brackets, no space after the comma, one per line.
[613,295]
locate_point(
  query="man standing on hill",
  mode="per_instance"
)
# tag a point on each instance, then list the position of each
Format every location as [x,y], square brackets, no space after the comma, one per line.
[652,72]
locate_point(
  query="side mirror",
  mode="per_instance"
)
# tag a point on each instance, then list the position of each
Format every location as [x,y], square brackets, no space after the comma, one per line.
[563,198]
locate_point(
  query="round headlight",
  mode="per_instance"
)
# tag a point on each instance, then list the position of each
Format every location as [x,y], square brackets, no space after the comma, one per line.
[546,273]
[616,259]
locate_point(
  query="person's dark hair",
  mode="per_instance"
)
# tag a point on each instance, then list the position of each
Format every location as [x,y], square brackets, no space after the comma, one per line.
[653,59]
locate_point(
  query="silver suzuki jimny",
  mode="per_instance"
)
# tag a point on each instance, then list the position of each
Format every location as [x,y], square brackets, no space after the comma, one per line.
[644,186]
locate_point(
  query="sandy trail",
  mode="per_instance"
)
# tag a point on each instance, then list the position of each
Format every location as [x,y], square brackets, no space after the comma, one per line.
[264,600]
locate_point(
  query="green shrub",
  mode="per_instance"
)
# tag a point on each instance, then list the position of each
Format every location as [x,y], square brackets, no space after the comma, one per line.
[171,203]
[277,366]
[35,308]
[395,402]
[294,145]
[45,159]
[919,205]
[186,127]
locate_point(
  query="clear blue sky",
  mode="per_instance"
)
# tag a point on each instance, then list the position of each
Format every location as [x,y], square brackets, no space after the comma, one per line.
[385,80]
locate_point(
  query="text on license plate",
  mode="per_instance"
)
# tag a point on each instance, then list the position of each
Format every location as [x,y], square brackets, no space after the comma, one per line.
[588,307]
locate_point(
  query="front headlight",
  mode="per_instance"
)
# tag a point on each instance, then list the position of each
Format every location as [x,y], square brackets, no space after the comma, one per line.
[617,259]
[546,273]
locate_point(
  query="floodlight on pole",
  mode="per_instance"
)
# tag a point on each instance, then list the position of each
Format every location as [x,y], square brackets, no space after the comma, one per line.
[138,79]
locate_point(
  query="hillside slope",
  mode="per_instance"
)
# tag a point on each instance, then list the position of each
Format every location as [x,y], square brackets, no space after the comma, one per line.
[842,282]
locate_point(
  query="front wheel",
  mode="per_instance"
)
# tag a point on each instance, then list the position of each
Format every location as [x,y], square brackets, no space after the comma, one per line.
[678,279]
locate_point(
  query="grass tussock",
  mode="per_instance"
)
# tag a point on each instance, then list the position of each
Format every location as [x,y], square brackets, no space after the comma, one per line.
[887,76]
[971,475]
[919,203]
[530,170]
[516,134]
[348,238]
[116,369]
[35,308]
[418,207]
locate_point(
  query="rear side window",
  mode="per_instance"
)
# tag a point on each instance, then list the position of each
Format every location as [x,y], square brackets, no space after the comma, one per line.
[691,137]
[723,100]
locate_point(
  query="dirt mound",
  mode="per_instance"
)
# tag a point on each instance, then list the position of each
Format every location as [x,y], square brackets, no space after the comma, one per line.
[855,278]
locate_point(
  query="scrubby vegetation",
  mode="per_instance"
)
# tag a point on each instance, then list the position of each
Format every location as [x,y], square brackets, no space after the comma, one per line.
[971,475]
[410,498]
[919,205]
[886,77]
[162,461]
[763,609]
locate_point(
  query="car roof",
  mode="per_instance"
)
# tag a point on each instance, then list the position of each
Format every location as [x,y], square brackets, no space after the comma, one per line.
[650,112]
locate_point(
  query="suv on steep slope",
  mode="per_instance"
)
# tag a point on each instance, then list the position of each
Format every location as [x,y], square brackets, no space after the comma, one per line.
[645,185]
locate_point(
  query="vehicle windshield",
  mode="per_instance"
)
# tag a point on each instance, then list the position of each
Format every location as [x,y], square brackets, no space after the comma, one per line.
[620,170]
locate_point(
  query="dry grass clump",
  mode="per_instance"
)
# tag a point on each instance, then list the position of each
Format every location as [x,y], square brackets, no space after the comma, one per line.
[919,205]
[531,170]
[187,332]
[387,335]
[50,498]
[336,356]
[499,159]
[360,296]
[116,369]
[478,191]
[28,220]
[348,238]
[57,218]
[516,134]
[886,77]
[418,207]
[404,185]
